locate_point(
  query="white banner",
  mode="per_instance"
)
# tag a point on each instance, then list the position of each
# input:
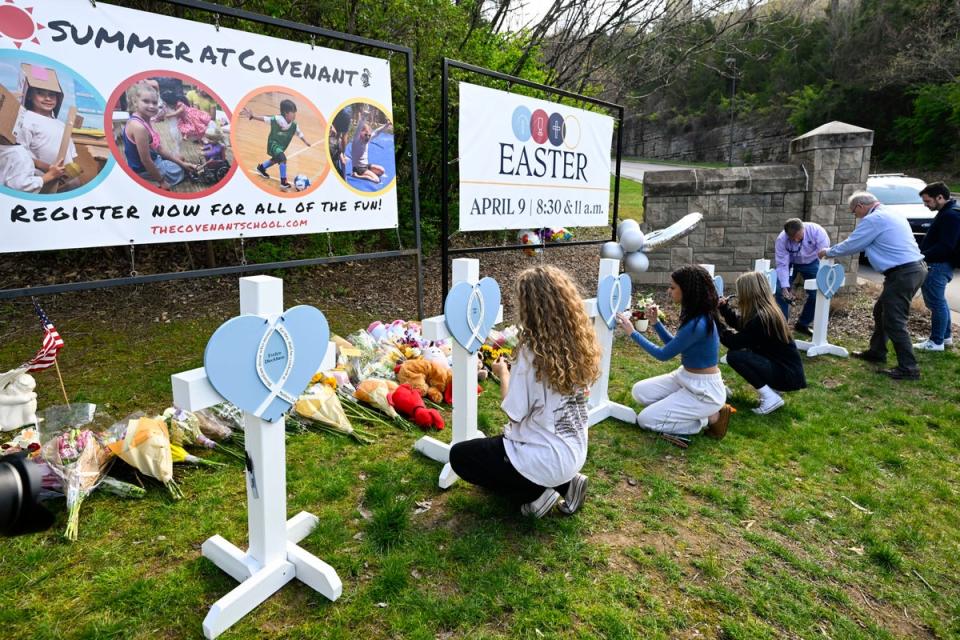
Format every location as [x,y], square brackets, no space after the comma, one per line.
[527,163]
[185,132]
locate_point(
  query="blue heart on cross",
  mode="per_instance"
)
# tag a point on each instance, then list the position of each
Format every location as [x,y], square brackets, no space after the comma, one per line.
[829,279]
[718,284]
[613,297]
[772,279]
[261,365]
[470,311]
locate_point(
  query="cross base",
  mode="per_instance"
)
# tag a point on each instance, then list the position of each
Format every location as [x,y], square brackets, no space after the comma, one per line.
[440,451]
[821,349]
[258,582]
[609,409]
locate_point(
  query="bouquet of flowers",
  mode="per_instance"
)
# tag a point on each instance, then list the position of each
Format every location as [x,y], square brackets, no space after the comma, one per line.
[79,459]
[145,445]
[184,428]
[639,313]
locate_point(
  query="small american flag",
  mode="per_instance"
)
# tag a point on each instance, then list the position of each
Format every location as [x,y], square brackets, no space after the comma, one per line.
[52,343]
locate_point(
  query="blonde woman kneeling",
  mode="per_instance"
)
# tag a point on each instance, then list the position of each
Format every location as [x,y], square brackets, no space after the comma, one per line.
[760,347]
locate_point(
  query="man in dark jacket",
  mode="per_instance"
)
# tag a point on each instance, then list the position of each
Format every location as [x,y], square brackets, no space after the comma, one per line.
[941,250]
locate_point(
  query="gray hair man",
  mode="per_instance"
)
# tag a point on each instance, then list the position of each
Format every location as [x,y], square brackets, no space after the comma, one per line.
[888,241]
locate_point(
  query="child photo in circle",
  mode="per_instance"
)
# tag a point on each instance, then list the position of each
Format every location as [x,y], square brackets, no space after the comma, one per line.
[278,137]
[49,139]
[361,147]
[171,134]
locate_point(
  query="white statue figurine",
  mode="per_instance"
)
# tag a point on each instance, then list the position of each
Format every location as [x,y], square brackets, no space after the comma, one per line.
[18,403]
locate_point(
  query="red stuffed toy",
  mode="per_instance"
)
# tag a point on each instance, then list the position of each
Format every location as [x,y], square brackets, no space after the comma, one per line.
[408,402]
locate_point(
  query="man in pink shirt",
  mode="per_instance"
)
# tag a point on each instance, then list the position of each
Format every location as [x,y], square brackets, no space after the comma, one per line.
[795,251]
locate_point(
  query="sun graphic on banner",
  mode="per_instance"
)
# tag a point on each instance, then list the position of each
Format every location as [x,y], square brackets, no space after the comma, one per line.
[18,24]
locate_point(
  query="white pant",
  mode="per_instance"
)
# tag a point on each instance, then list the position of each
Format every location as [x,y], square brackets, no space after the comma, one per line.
[679,402]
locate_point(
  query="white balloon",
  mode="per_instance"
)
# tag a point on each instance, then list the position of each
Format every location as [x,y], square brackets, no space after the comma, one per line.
[636,262]
[611,250]
[631,240]
[626,223]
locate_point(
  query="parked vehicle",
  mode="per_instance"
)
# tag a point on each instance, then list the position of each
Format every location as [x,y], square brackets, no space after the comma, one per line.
[901,194]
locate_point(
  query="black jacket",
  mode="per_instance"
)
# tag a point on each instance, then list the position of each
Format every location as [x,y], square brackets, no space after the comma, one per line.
[754,337]
[942,242]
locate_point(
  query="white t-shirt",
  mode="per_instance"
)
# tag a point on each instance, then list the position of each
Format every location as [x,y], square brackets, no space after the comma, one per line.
[546,438]
[16,169]
[41,136]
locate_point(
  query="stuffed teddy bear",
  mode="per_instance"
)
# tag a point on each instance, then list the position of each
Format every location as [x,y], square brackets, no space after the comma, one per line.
[408,402]
[427,377]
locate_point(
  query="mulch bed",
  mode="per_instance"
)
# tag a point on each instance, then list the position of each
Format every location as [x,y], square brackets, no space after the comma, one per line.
[383,288]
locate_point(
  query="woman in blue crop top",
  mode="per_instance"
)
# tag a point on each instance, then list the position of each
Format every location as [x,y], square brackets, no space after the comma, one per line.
[693,397]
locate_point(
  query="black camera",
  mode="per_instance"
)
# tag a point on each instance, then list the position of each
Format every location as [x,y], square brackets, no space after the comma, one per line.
[20,484]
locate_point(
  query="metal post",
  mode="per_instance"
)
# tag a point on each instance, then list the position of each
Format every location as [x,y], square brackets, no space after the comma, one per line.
[444,180]
[412,113]
[616,183]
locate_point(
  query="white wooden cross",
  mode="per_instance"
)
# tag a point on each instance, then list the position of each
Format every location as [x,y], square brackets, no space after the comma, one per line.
[600,407]
[464,381]
[821,318]
[273,558]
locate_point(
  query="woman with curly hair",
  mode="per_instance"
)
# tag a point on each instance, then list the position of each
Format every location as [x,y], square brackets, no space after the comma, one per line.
[693,397]
[538,458]
[759,345]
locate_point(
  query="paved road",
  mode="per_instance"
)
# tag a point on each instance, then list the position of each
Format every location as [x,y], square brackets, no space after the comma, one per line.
[953,289]
[635,170]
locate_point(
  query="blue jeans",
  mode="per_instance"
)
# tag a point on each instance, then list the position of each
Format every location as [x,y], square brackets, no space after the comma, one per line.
[808,271]
[939,274]
[171,171]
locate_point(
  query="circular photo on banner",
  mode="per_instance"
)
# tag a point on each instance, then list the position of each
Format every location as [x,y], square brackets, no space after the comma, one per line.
[171,134]
[279,141]
[361,148]
[52,145]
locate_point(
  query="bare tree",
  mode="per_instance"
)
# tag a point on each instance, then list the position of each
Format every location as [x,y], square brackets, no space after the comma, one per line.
[585,39]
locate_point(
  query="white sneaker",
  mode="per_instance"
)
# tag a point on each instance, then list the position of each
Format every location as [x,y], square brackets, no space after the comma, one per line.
[542,505]
[576,493]
[769,405]
[948,342]
[928,345]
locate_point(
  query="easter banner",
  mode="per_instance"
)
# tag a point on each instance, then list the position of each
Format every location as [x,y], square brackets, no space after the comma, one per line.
[119,126]
[527,163]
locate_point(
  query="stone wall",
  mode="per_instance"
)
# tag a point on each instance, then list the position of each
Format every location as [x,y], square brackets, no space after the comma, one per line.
[754,142]
[744,208]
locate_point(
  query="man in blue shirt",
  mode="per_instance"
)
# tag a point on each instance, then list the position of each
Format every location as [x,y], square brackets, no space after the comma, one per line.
[888,241]
[941,249]
[795,250]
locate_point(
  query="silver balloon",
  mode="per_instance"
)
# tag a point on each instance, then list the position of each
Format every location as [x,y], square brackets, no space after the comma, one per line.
[631,240]
[625,224]
[636,262]
[611,250]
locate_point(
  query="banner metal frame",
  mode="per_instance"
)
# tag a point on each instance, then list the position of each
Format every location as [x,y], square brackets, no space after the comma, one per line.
[217,12]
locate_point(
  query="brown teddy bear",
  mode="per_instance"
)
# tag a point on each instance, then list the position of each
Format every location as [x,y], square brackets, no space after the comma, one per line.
[427,377]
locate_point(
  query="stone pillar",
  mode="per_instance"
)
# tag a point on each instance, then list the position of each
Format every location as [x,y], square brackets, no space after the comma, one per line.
[836,160]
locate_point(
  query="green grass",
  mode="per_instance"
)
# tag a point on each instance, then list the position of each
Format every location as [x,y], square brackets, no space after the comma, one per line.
[754,536]
[631,198]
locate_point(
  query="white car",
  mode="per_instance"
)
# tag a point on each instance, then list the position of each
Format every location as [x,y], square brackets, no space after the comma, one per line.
[901,194]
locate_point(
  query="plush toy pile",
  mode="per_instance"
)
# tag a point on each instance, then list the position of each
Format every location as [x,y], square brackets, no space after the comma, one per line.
[386,375]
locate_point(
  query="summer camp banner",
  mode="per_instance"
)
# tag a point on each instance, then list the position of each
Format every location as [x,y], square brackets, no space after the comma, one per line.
[119,126]
[527,163]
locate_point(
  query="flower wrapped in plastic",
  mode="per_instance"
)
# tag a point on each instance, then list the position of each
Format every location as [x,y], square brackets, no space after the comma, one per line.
[145,446]
[374,392]
[321,405]
[77,456]
[185,429]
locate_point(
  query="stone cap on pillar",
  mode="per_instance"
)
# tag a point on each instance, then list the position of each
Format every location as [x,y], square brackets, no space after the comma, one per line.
[833,135]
